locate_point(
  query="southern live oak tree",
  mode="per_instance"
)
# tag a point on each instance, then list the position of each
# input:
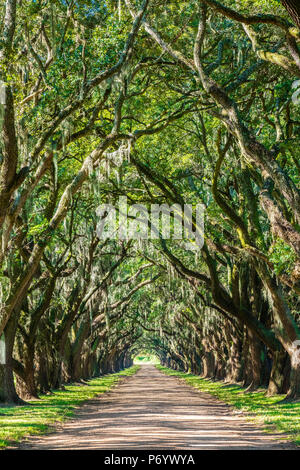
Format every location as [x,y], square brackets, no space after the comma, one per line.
[163,102]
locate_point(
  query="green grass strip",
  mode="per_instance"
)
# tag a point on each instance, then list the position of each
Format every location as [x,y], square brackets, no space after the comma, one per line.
[275,416]
[16,422]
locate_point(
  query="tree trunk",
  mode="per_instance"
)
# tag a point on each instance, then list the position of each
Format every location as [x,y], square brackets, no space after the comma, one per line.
[293,8]
[255,347]
[208,364]
[43,374]
[277,379]
[234,359]
[294,390]
[246,360]
[26,384]
[8,392]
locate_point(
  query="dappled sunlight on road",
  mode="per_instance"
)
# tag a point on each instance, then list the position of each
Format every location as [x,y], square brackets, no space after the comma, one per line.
[153,411]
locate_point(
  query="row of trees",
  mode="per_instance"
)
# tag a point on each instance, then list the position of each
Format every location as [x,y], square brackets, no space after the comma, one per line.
[162,102]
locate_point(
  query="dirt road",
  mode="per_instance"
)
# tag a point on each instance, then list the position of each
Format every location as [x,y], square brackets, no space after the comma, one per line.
[153,411]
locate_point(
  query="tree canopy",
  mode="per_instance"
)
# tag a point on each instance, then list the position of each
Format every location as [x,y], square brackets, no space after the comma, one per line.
[161,102]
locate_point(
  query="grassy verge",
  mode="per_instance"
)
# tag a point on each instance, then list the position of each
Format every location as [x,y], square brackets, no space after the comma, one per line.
[17,422]
[282,417]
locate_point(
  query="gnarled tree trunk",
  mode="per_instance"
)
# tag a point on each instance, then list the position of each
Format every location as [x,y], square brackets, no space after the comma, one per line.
[8,392]
[293,8]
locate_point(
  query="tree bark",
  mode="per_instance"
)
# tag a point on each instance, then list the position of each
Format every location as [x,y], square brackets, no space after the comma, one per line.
[8,392]
[293,8]
[294,390]
[277,379]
